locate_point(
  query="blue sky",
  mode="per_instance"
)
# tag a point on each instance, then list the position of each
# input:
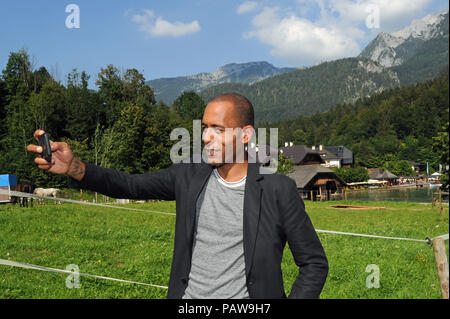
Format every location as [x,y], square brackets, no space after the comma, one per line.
[176,38]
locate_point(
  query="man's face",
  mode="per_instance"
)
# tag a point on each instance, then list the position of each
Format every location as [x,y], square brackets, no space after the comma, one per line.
[221,133]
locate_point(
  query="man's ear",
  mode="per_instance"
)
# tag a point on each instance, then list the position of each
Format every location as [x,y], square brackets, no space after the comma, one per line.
[247,133]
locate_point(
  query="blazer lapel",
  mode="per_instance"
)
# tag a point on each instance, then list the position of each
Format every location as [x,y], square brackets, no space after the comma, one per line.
[252,210]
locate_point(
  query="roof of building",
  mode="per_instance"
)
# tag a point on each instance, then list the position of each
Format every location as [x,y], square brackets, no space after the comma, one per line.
[381,173]
[303,174]
[298,153]
[327,155]
[342,152]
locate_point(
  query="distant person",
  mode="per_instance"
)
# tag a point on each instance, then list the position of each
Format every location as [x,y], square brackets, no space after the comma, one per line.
[232,222]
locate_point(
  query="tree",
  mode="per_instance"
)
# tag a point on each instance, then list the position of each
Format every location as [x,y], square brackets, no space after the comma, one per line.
[299,137]
[352,174]
[17,81]
[157,143]
[40,78]
[47,109]
[190,106]
[285,165]
[119,91]
[3,93]
[399,168]
[111,92]
[136,91]
[128,134]
[85,109]
[18,74]
[441,147]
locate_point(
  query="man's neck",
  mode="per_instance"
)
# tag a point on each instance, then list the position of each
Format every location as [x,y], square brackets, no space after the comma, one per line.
[233,172]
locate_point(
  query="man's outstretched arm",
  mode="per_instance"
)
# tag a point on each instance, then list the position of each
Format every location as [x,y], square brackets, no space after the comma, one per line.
[117,184]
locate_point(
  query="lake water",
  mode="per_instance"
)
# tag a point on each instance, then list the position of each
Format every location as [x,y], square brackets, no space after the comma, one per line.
[397,194]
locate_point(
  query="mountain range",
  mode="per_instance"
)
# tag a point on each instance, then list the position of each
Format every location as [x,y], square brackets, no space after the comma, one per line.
[411,55]
[168,89]
[310,90]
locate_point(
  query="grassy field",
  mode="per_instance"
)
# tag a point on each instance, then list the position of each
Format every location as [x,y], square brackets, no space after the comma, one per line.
[138,246]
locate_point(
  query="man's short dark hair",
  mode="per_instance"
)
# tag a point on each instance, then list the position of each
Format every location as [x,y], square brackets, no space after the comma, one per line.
[242,106]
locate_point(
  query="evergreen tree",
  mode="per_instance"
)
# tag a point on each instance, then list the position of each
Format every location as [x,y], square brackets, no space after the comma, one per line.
[190,106]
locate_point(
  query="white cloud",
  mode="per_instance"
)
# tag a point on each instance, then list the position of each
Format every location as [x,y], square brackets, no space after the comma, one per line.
[393,13]
[158,27]
[301,41]
[247,6]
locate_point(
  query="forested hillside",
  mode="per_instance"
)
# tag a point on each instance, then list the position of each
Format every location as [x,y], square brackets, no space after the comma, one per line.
[311,90]
[428,60]
[398,124]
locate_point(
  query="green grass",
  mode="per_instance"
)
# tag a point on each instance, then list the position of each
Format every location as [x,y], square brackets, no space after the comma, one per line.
[138,246]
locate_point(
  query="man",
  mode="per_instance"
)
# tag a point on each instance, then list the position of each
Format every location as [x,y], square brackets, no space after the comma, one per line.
[232,222]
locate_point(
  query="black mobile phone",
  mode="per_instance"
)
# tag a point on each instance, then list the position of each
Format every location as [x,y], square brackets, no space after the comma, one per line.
[44,142]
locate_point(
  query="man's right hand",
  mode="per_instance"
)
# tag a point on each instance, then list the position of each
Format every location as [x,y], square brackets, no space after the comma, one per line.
[63,161]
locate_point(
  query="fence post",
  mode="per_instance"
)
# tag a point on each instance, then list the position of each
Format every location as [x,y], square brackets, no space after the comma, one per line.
[441,264]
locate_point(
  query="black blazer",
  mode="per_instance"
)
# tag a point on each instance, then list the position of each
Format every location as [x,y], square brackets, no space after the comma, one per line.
[273,214]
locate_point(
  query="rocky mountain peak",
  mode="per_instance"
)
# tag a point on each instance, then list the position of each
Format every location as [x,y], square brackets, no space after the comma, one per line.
[391,49]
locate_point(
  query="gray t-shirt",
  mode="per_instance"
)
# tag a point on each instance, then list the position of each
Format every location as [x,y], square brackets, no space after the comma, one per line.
[218,266]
